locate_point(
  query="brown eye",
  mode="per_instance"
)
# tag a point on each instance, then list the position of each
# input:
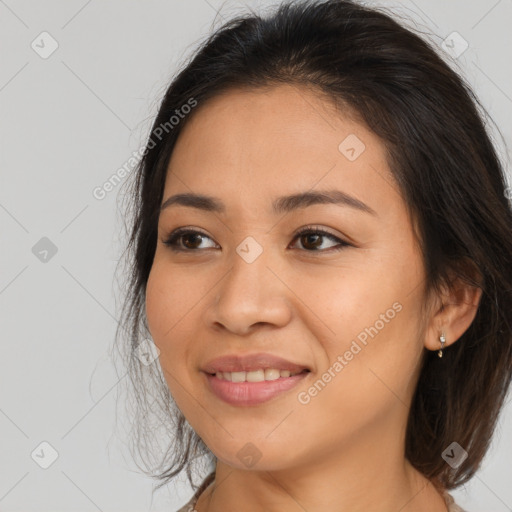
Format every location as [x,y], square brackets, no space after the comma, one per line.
[312,239]
[190,240]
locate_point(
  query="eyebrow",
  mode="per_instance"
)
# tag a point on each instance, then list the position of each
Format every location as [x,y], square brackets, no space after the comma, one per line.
[280,205]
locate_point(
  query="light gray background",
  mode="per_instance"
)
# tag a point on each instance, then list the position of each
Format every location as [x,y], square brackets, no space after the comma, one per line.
[68,122]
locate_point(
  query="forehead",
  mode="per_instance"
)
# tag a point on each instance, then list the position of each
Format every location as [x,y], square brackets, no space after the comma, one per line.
[263,143]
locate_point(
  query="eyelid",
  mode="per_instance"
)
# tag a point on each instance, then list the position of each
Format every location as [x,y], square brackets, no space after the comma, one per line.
[316,228]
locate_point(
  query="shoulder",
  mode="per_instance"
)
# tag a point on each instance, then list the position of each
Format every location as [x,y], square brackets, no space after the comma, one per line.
[189,506]
[455,508]
[450,502]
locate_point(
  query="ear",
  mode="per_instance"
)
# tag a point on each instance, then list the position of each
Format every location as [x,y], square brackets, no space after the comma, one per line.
[454,309]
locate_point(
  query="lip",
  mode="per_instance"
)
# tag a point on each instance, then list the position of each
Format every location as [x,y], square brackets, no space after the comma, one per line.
[251,393]
[251,362]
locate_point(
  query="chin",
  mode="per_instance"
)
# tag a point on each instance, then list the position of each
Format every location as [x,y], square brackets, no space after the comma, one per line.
[255,456]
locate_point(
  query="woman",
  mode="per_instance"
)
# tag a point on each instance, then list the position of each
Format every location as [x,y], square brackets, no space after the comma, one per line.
[322,255]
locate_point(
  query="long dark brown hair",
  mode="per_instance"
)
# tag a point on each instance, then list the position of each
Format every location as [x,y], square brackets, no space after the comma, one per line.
[448,173]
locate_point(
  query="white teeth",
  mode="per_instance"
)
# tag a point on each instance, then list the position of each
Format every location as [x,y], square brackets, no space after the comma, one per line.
[237,376]
[270,374]
[255,375]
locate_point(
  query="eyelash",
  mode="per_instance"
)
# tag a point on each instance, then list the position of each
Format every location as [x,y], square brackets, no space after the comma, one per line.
[173,238]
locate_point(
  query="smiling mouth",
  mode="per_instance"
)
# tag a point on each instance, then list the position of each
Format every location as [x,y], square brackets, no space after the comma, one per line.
[261,375]
[246,390]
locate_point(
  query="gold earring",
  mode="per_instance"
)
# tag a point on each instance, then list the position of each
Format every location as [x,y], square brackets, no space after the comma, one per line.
[442,339]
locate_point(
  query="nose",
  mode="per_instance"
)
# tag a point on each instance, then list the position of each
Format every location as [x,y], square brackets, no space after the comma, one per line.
[249,296]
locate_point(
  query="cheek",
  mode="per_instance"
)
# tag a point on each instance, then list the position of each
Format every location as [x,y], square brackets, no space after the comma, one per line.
[165,311]
[368,372]
[157,302]
[342,301]
[369,316]
[171,297]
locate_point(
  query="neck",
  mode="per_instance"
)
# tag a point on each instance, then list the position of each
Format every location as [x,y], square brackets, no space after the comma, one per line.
[368,474]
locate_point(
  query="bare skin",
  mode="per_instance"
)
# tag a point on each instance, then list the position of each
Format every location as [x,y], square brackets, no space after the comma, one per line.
[343,450]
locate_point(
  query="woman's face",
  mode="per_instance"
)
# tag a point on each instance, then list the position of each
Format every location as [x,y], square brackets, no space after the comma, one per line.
[248,285]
